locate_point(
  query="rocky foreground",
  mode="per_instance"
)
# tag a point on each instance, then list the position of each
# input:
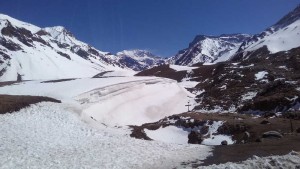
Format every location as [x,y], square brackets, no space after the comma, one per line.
[252,135]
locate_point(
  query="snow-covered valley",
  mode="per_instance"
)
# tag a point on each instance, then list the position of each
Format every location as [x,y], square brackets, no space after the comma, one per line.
[49,135]
[234,104]
[89,128]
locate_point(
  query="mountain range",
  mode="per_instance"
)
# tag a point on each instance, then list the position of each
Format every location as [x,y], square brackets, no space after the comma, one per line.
[260,76]
[29,52]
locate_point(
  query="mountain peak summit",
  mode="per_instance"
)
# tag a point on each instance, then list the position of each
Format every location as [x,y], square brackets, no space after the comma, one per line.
[289,18]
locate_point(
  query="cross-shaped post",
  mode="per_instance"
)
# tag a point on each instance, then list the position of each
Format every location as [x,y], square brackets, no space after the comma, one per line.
[188,105]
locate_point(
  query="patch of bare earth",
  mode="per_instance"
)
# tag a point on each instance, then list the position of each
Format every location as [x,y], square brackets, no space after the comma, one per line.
[12,103]
[237,125]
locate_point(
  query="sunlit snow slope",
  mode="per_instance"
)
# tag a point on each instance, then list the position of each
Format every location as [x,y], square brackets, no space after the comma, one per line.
[28,52]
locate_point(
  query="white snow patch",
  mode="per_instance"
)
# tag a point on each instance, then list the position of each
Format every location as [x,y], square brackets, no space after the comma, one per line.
[213,137]
[182,68]
[260,75]
[283,67]
[169,134]
[217,139]
[248,96]
[188,84]
[224,87]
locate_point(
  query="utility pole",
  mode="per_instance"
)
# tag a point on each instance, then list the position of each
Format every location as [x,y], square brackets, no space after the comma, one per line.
[188,105]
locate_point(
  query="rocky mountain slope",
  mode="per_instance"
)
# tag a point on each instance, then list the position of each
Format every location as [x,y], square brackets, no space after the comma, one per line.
[29,52]
[262,77]
[138,59]
[282,36]
[209,49]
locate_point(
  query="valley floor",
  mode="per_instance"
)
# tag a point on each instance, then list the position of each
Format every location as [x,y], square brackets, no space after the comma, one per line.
[68,135]
[89,128]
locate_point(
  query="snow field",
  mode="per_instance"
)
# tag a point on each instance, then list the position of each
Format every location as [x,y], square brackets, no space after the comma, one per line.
[281,40]
[113,101]
[47,135]
[134,103]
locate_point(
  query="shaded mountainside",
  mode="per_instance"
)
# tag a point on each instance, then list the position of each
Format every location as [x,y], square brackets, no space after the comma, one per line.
[209,49]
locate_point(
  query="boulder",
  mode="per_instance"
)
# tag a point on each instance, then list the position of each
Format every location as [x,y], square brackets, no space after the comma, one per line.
[265,122]
[258,140]
[195,138]
[224,143]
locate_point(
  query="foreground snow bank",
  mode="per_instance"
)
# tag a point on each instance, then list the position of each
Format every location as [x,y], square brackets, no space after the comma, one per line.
[48,135]
[291,160]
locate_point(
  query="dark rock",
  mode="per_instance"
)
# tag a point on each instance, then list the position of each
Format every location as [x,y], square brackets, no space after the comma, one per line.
[38,39]
[93,51]
[8,44]
[224,143]
[42,33]
[64,55]
[62,45]
[298,130]
[272,134]
[22,34]
[19,77]
[265,122]
[80,52]
[195,138]
[246,137]
[204,130]
[4,56]
[258,140]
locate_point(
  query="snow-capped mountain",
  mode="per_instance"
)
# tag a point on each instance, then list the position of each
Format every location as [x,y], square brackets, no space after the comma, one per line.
[138,59]
[261,77]
[282,36]
[28,52]
[209,49]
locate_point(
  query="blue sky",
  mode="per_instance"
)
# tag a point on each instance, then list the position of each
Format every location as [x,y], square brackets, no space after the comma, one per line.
[161,26]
